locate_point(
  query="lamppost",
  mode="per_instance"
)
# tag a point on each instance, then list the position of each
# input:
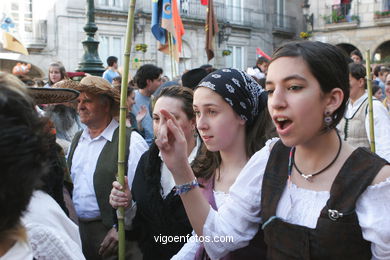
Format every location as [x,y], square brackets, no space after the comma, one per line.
[309,18]
[90,62]
[224,33]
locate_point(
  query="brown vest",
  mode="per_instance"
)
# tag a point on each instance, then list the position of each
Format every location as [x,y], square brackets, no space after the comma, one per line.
[334,237]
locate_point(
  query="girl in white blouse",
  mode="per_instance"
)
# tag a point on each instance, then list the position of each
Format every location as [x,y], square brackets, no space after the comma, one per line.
[307,84]
[232,119]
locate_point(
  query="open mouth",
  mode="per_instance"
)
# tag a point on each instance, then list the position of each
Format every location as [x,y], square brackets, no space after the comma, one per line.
[282,122]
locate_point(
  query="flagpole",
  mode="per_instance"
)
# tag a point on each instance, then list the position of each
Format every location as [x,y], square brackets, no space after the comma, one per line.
[370,105]
[122,127]
[170,52]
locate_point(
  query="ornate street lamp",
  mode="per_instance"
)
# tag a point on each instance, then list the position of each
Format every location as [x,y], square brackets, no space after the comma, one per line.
[309,18]
[224,33]
[90,62]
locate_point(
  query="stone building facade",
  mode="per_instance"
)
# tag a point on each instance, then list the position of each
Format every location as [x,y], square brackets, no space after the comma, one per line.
[53,31]
[353,24]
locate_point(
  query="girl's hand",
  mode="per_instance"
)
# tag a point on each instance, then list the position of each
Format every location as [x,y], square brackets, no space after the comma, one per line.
[172,143]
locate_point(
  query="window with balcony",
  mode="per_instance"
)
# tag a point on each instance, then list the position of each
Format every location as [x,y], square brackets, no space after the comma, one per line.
[235,11]
[110,3]
[236,58]
[20,12]
[280,10]
[111,46]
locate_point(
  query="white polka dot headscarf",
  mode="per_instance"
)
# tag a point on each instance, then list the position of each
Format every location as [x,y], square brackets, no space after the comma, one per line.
[239,90]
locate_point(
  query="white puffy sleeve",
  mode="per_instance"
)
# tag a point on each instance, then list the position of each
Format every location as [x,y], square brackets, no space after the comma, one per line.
[373,210]
[237,221]
[188,251]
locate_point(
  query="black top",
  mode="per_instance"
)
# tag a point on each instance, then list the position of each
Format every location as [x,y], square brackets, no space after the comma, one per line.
[336,236]
[156,217]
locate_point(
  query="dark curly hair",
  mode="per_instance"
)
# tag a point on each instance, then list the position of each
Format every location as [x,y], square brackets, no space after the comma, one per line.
[145,72]
[23,152]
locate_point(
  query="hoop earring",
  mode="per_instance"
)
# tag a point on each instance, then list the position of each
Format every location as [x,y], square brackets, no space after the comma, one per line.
[328,120]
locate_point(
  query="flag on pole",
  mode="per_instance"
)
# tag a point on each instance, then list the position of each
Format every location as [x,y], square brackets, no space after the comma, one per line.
[204,2]
[166,18]
[259,52]
[211,29]
[13,44]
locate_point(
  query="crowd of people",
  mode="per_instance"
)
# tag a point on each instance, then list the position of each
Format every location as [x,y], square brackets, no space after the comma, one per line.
[276,158]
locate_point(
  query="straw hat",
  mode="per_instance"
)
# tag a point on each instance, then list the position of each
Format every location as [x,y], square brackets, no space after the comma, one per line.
[52,95]
[91,84]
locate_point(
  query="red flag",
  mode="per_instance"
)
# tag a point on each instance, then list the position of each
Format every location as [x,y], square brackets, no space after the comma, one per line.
[261,53]
[211,29]
[204,2]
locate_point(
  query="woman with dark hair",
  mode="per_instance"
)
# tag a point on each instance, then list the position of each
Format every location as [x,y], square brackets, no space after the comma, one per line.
[316,196]
[26,179]
[158,212]
[23,159]
[233,122]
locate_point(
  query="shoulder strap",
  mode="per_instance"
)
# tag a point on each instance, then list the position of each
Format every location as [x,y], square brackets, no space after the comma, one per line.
[72,148]
[355,176]
[274,181]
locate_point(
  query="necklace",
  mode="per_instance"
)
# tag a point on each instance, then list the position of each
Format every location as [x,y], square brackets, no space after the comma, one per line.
[308,177]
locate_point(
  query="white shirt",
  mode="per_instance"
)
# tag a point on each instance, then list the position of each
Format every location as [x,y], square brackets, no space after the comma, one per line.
[240,217]
[381,125]
[50,232]
[21,250]
[84,162]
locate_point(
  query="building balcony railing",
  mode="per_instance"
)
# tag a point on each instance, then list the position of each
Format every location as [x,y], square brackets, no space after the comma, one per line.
[341,14]
[37,39]
[283,24]
[236,15]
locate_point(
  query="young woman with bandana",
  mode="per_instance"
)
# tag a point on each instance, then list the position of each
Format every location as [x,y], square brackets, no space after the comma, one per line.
[232,119]
[316,196]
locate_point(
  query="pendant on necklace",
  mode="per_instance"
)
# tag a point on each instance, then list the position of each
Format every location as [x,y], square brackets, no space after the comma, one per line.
[307,177]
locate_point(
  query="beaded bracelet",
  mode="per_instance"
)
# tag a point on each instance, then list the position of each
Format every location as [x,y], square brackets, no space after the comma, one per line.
[180,189]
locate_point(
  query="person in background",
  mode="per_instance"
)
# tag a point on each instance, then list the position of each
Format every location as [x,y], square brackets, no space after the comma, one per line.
[260,69]
[386,100]
[57,73]
[112,69]
[377,92]
[354,126]
[356,56]
[148,80]
[191,78]
[116,82]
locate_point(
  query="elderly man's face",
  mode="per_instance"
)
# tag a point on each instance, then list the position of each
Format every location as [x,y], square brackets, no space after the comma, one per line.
[92,109]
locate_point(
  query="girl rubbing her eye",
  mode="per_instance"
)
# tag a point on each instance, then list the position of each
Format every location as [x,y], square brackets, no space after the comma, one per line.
[313,195]
[152,209]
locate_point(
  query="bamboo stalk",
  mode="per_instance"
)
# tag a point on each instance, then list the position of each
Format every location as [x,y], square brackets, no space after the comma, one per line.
[370,105]
[122,126]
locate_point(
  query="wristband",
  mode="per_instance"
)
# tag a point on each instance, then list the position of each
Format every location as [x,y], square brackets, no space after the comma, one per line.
[180,189]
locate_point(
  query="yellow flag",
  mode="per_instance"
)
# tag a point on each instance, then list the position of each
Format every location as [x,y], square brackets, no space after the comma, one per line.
[13,44]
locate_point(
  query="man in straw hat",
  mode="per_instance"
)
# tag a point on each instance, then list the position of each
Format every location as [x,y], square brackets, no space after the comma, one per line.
[92,160]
